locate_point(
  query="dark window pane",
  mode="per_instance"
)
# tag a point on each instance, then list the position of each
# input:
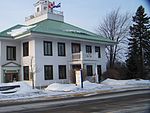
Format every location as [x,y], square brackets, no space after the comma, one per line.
[11,53]
[48,72]
[62,71]
[99,72]
[88,49]
[47,48]
[61,49]
[26,49]
[26,72]
[89,70]
[97,49]
[76,48]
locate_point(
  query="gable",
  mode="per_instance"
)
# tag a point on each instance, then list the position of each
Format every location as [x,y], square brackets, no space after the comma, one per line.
[11,64]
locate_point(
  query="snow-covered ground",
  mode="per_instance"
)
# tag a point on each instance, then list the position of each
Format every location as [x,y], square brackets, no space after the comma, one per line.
[25,91]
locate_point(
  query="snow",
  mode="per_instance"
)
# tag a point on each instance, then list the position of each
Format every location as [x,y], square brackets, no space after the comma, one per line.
[26,92]
[113,82]
[21,30]
[61,87]
[105,85]
[76,31]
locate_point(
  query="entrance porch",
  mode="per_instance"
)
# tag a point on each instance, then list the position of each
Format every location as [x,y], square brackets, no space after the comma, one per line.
[90,71]
[11,72]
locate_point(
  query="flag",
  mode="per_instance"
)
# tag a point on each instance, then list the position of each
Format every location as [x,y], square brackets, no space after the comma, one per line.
[57,6]
[51,5]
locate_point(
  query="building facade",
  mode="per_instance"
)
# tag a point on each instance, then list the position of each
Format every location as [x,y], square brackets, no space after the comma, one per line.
[50,49]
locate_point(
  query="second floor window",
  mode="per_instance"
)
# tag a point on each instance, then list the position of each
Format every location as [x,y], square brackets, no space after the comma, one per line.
[11,53]
[98,49]
[26,49]
[47,48]
[76,47]
[61,49]
[88,49]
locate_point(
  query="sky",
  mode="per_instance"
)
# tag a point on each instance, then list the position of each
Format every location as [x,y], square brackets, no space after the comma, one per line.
[87,14]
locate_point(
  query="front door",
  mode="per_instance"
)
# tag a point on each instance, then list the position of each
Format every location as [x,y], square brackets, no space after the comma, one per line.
[99,72]
[10,77]
[75,68]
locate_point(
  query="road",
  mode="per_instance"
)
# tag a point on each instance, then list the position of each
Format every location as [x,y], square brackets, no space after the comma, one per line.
[123,102]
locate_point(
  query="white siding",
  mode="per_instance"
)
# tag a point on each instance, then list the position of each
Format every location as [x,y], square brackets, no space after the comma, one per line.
[26,61]
[3,57]
[36,53]
[0,63]
[4,45]
[54,60]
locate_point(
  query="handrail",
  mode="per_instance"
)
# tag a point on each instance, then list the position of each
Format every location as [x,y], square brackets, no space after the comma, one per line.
[42,13]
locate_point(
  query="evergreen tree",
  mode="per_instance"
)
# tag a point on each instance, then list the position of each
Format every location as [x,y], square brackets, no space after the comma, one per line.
[139,44]
[132,61]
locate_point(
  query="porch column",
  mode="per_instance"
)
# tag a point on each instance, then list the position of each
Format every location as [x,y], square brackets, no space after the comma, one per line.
[69,72]
[96,73]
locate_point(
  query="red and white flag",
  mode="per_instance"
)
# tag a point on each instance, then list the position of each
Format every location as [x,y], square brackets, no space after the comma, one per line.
[51,5]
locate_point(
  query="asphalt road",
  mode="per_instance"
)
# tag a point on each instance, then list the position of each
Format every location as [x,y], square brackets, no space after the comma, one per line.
[138,102]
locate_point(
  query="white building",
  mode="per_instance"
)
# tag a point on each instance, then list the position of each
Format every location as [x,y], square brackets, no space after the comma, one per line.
[50,48]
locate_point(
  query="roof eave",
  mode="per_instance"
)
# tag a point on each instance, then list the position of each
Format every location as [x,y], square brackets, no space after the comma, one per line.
[6,37]
[71,37]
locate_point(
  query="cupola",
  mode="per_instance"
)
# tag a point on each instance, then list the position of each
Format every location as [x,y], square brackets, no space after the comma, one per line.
[44,9]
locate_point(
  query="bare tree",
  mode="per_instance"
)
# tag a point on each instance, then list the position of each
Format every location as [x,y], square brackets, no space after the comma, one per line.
[115,26]
[33,70]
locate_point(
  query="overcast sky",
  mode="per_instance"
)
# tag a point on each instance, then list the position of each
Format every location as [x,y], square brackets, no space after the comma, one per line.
[82,13]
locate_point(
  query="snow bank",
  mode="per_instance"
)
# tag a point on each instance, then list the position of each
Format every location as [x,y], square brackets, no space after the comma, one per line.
[95,86]
[61,87]
[72,87]
[25,91]
[24,87]
[19,31]
[108,84]
[113,82]
[138,82]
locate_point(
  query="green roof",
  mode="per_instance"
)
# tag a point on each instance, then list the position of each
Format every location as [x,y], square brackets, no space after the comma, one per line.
[57,28]
[6,32]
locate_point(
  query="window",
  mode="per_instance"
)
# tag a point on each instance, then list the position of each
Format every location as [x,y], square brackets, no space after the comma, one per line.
[26,49]
[62,71]
[48,72]
[61,49]
[98,49]
[88,49]
[26,72]
[76,48]
[11,53]
[38,9]
[89,69]
[45,8]
[47,48]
